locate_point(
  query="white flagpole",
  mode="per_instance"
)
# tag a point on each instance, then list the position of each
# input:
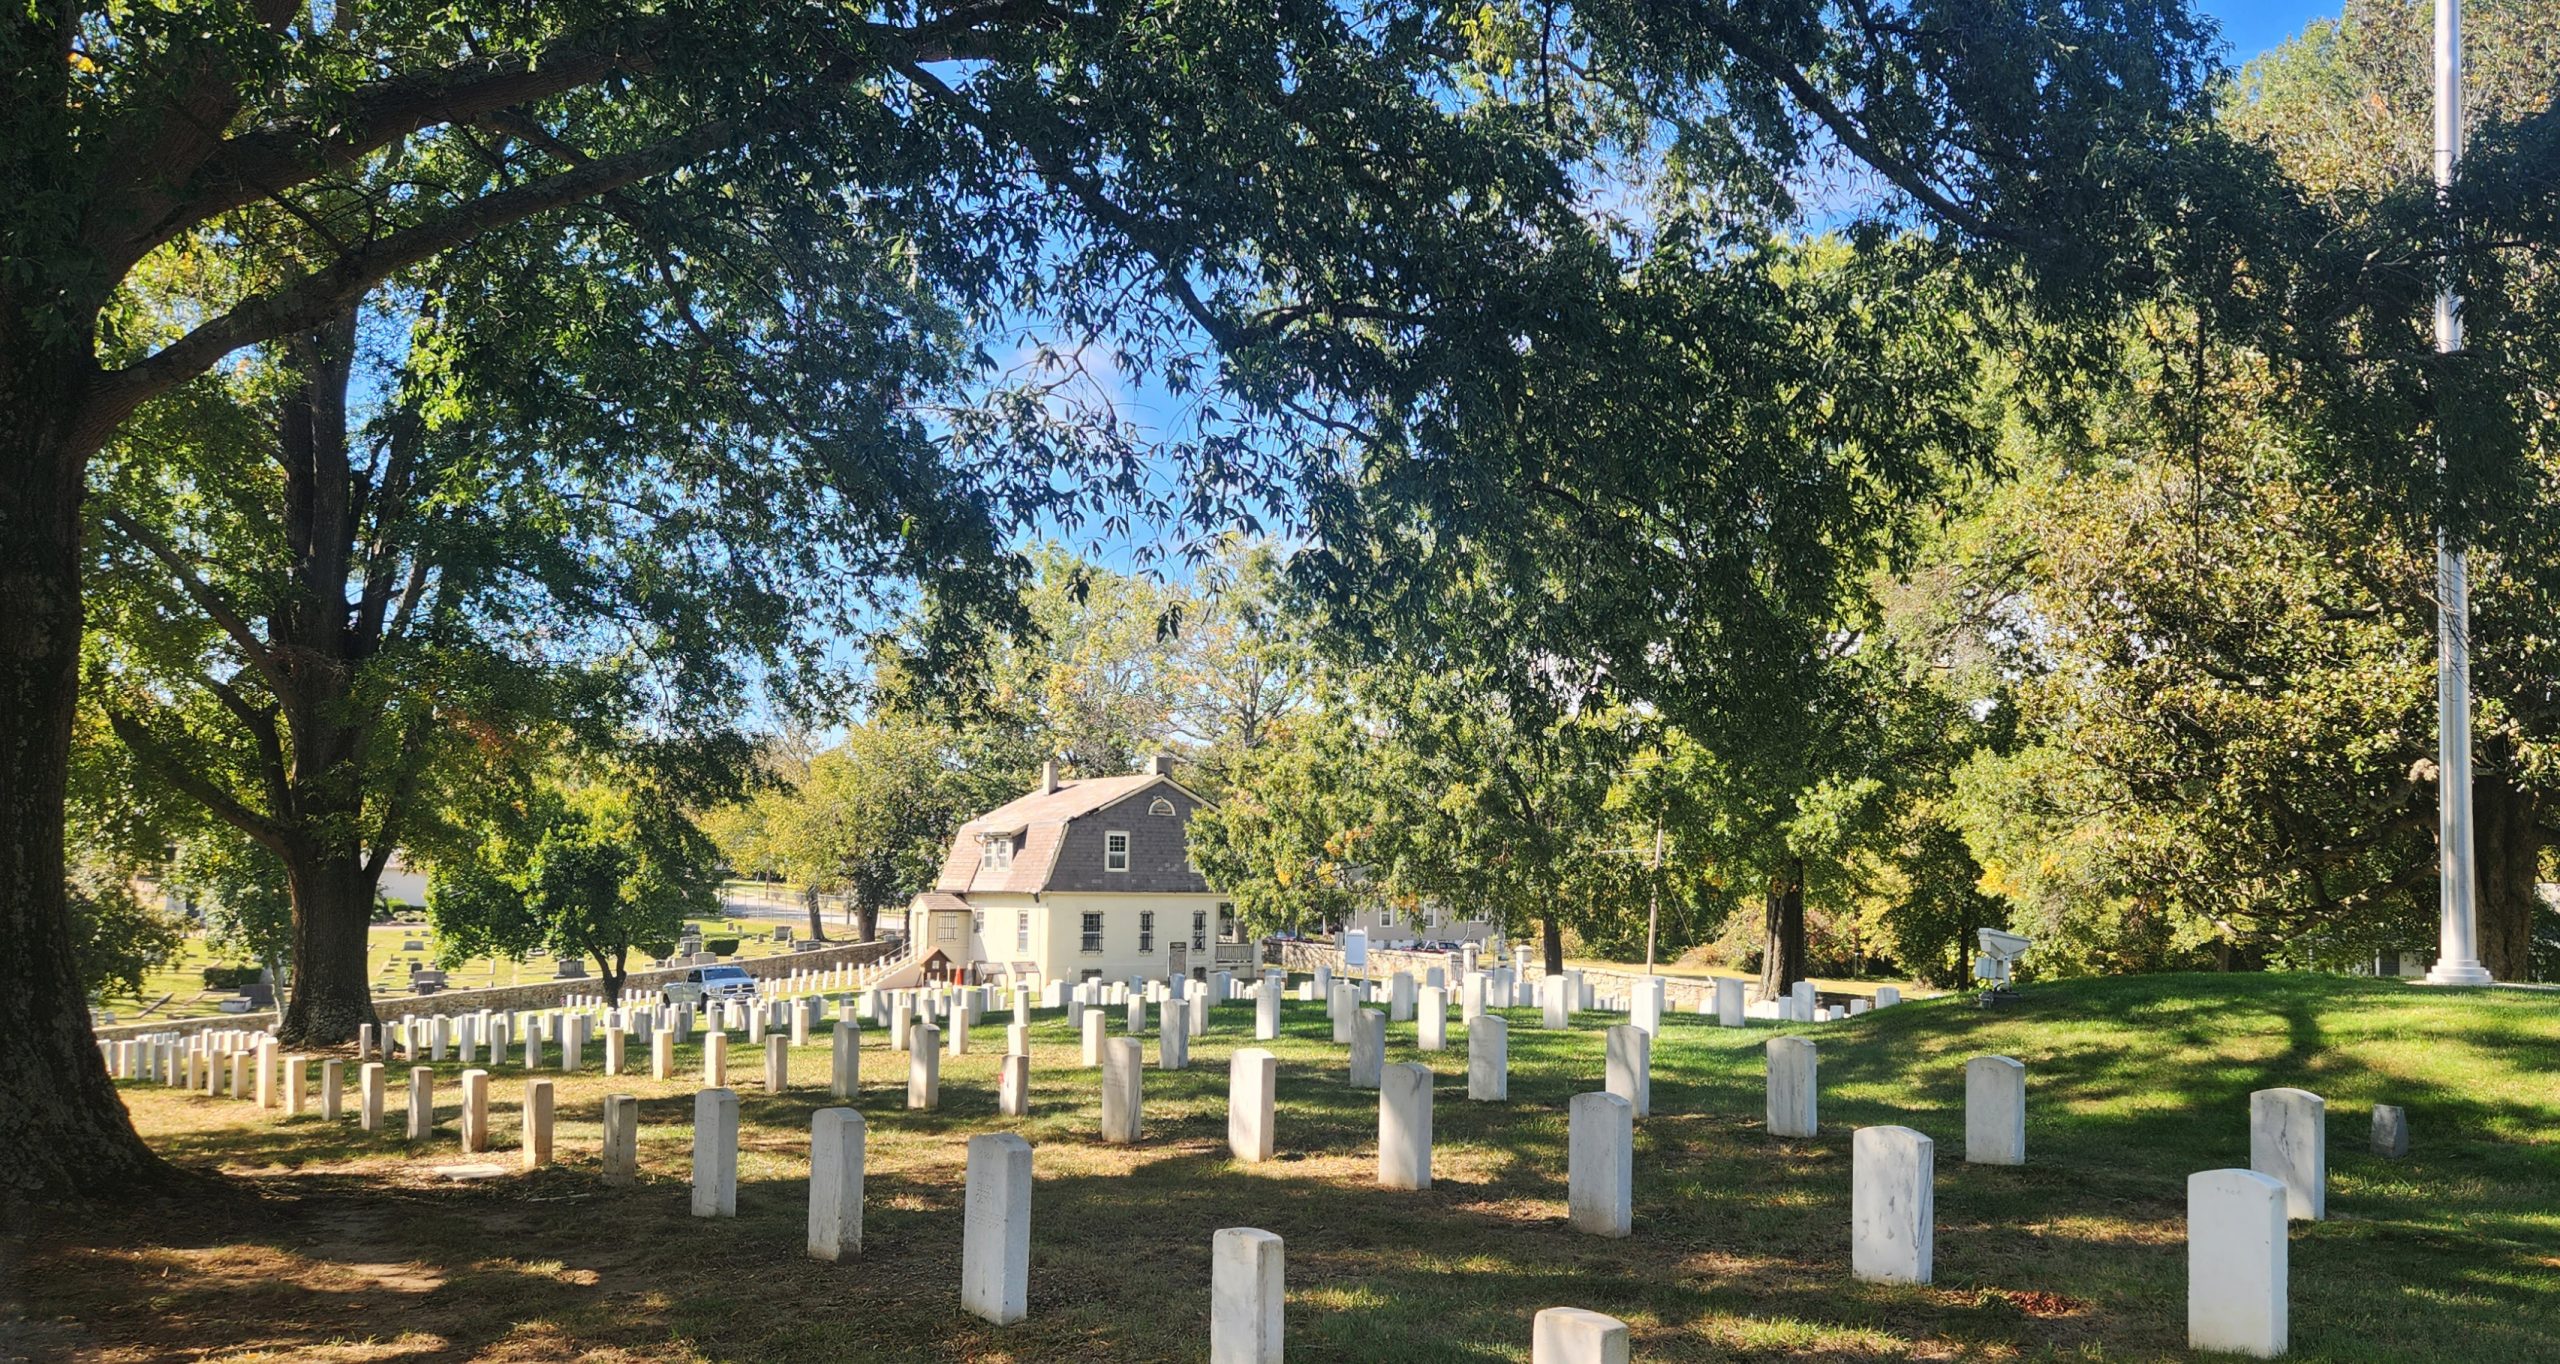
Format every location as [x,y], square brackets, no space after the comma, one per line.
[2457,884]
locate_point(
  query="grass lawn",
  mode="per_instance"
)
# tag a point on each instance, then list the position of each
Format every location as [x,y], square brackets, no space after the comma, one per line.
[388,955]
[345,1246]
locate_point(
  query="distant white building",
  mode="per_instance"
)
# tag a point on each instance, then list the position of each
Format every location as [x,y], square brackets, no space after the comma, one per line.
[402,883]
[1388,926]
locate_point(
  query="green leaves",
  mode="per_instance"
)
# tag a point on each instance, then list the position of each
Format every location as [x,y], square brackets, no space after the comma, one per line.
[589,870]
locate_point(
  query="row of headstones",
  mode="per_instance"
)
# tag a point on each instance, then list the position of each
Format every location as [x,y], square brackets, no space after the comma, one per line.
[253,1066]
[996,1256]
[2232,1305]
[2237,1281]
[1732,1002]
[2237,1293]
[243,1064]
[1183,1007]
[2237,1270]
[488,1034]
[1601,1141]
[1247,1275]
[1515,986]
[249,1064]
[798,982]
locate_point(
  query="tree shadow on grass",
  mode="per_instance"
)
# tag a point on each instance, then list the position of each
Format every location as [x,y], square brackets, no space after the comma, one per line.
[1740,1248]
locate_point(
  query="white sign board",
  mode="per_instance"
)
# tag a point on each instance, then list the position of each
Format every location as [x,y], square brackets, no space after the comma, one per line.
[1355,948]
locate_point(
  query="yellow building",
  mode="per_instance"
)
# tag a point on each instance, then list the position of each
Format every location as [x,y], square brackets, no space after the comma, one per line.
[1078,880]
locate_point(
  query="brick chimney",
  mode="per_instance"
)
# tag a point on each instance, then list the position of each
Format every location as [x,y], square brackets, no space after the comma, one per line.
[1159,765]
[1049,777]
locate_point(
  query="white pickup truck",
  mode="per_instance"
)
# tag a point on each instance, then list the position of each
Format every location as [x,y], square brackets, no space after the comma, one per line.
[711,985]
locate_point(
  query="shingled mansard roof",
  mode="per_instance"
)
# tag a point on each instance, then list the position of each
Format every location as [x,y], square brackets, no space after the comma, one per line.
[1040,820]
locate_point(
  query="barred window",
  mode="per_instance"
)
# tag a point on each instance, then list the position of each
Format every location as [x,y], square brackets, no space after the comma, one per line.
[1093,931]
[1022,930]
[1199,930]
[1146,930]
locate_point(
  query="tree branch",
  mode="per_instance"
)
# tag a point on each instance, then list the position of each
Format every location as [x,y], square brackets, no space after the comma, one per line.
[1904,175]
[176,187]
[395,806]
[261,724]
[264,162]
[232,623]
[1148,238]
[147,749]
[314,297]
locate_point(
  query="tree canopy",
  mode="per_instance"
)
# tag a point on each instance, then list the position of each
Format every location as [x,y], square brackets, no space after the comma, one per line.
[594,870]
[406,396]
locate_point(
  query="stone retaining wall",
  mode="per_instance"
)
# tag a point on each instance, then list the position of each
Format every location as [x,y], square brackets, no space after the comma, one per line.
[546,994]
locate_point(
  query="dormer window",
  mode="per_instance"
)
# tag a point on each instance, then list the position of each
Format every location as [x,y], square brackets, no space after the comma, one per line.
[995,852]
[1160,807]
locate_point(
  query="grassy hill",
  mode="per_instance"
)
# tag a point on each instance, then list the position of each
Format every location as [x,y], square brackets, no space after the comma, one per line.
[354,1251]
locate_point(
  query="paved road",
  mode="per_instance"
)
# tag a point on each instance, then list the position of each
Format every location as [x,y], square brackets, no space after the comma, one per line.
[781,912]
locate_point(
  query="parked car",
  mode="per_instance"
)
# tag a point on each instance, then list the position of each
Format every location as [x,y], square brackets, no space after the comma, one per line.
[719,983]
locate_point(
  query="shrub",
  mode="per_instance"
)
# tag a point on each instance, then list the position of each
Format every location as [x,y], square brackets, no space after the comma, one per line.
[720,947]
[230,977]
[115,938]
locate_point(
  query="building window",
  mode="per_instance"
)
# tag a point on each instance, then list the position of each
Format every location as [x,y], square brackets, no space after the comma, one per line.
[1199,930]
[1146,930]
[1093,931]
[1226,921]
[1386,916]
[1022,930]
[995,854]
[1160,807]
[1089,975]
[1115,851]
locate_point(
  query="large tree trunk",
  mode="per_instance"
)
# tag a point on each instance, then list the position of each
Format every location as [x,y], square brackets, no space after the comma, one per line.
[870,914]
[332,922]
[322,643]
[2239,956]
[62,1126]
[817,925]
[2506,841]
[1551,938]
[1782,961]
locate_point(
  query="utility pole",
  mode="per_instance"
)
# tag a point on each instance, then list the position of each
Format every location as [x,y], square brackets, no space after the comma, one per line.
[2457,884]
[1653,913]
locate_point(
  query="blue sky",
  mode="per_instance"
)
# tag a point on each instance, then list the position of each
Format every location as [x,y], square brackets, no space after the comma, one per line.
[2253,26]
[2249,27]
